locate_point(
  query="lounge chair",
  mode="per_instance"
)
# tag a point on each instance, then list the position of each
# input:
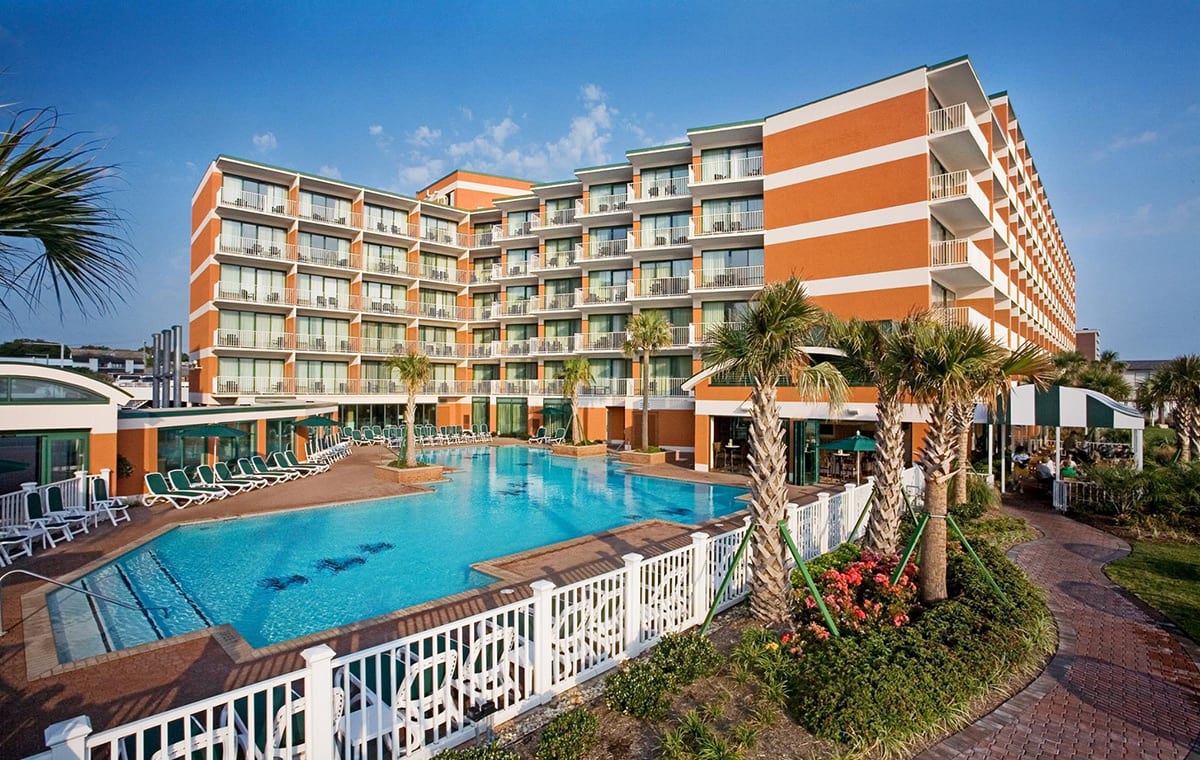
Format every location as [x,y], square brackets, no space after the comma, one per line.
[116,511]
[13,545]
[77,517]
[487,433]
[40,524]
[559,436]
[209,478]
[181,482]
[225,473]
[248,470]
[290,458]
[156,484]
[278,461]
[539,436]
[262,468]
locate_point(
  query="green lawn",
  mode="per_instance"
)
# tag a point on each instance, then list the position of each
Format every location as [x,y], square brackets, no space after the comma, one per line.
[1166,576]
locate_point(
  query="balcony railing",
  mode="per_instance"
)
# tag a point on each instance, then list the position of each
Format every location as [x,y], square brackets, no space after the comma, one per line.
[325,257]
[339,216]
[445,311]
[517,308]
[728,222]
[329,344]
[554,260]
[663,386]
[523,347]
[233,291]
[555,302]
[617,386]
[664,237]
[270,341]
[560,344]
[608,386]
[485,311]
[517,228]
[947,119]
[479,350]
[257,248]
[399,267]
[948,252]
[682,335]
[962,315]
[393,346]
[729,277]
[257,202]
[602,204]
[388,306]
[517,268]
[439,350]
[444,274]
[559,217]
[445,237]
[602,249]
[661,287]
[952,185]
[659,189]
[602,294]
[373,223]
[320,300]
[601,341]
[229,384]
[727,169]
[486,239]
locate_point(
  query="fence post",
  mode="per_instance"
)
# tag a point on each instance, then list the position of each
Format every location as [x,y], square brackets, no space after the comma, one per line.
[67,740]
[109,485]
[849,513]
[700,577]
[633,602]
[791,513]
[822,536]
[318,704]
[543,632]
[81,489]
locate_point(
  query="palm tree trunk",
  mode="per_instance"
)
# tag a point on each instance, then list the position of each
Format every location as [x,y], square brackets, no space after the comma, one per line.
[937,459]
[410,432]
[964,415]
[1186,422]
[883,529]
[646,400]
[768,495]
[575,432]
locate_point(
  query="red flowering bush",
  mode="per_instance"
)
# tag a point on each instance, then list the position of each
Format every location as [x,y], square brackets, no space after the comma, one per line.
[859,595]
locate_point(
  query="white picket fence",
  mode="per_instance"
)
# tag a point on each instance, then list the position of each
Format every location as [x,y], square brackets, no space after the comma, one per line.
[13,512]
[432,690]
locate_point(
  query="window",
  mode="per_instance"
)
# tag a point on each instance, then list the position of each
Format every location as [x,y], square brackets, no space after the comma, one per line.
[481,269]
[324,250]
[519,260]
[249,328]
[261,196]
[607,323]
[385,258]
[607,197]
[35,390]
[610,369]
[322,334]
[520,371]
[559,211]
[485,372]
[383,219]
[321,377]
[653,270]
[379,295]
[609,233]
[563,286]
[731,163]
[438,303]
[482,303]
[519,292]
[382,338]
[664,181]
[250,284]
[438,230]
[438,267]
[560,252]
[280,435]
[324,208]
[520,332]
[731,215]
[737,267]
[678,317]
[484,234]
[252,239]
[520,222]
[321,291]
[941,297]
[246,375]
[483,335]
[718,312]
[665,229]
[609,277]
[561,328]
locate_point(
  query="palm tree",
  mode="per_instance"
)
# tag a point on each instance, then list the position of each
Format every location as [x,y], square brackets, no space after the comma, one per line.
[869,361]
[648,331]
[413,370]
[1176,384]
[950,367]
[576,373]
[765,343]
[55,227]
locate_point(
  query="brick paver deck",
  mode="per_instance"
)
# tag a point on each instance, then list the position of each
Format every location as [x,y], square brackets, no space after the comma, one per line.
[1123,684]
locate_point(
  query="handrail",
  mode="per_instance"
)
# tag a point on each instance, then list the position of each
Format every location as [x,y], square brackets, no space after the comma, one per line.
[166,611]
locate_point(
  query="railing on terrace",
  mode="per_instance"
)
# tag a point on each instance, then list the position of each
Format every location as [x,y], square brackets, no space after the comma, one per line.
[483,274]
[258,202]
[321,300]
[445,311]
[664,386]
[388,306]
[515,228]
[523,347]
[682,335]
[561,217]
[730,277]
[602,204]
[228,384]
[561,344]
[75,493]
[608,386]
[439,350]
[948,118]
[340,216]
[373,223]
[662,287]
[554,260]
[418,694]
[394,346]
[948,252]
[247,293]
[445,237]
[735,168]
[658,189]
[273,341]
[726,222]
[601,294]
[391,266]
[664,237]
[952,315]
[555,302]
[952,185]
[602,249]
[601,341]
[486,311]
[480,350]
[262,249]
[486,239]
[444,274]
[328,344]
[331,387]
[1066,494]
[518,308]
[517,268]
[326,257]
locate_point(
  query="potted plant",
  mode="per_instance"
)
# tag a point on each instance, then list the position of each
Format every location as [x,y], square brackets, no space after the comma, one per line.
[413,370]
[648,331]
[575,373]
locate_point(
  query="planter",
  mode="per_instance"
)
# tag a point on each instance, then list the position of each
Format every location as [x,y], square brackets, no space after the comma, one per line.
[590,450]
[644,458]
[409,475]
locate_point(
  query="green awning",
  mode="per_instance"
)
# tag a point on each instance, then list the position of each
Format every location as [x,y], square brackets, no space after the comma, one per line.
[1065,406]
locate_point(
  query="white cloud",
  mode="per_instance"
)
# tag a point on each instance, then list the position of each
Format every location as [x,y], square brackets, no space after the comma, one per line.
[1122,143]
[265,142]
[375,130]
[419,175]
[424,136]
[329,171]
[467,113]
[591,93]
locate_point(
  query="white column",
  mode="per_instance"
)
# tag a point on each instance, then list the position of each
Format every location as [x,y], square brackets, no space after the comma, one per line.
[633,602]
[543,632]
[991,449]
[1138,445]
[1004,457]
[318,702]
[67,740]
[701,594]
[849,513]
[81,490]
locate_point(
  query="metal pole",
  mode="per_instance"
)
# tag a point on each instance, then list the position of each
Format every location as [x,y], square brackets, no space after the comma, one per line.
[808,580]
[177,337]
[967,545]
[1003,460]
[737,558]
[155,397]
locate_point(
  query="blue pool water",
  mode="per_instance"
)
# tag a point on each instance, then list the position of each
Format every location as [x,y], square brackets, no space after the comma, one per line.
[277,577]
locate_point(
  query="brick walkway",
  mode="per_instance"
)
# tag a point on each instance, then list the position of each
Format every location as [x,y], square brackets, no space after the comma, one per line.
[1120,686]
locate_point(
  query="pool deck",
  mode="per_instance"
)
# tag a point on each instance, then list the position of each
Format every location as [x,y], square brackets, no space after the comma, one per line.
[123,686]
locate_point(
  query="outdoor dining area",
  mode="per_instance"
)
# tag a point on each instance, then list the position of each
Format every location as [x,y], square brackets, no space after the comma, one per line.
[818,452]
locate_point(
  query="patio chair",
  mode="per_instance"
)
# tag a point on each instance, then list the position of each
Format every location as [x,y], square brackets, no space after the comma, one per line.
[78,516]
[36,525]
[289,459]
[225,472]
[262,468]
[209,478]
[181,482]
[539,436]
[13,545]
[559,436]
[159,491]
[116,511]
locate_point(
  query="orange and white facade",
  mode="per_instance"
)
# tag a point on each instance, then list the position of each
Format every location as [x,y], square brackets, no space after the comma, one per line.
[916,192]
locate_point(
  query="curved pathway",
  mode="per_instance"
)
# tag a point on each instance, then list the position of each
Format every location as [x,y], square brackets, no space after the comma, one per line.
[1124,682]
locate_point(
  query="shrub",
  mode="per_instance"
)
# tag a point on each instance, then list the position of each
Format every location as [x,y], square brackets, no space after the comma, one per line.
[569,736]
[685,657]
[639,689]
[860,597]
[482,752]
[980,498]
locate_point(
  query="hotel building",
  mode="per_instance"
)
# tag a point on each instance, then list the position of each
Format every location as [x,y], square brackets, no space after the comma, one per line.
[913,192]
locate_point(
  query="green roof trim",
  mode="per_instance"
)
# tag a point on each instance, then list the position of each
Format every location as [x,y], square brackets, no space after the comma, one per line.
[1000,94]
[203,411]
[618,165]
[655,148]
[710,128]
[950,62]
[555,183]
[849,89]
[260,164]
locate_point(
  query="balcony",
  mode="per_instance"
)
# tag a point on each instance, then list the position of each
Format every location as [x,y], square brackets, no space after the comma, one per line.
[326,344]
[488,239]
[480,350]
[562,344]
[594,250]
[388,307]
[682,336]
[731,223]
[444,274]
[602,205]
[324,257]
[608,386]
[446,312]
[393,346]
[555,218]
[729,278]
[663,386]
[251,339]
[311,299]
[958,201]
[341,217]
[959,265]
[238,293]
[485,312]
[602,295]
[226,385]
[516,348]
[445,237]
[955,138]
[392,267]
[728,176]
[601,341]
[514,229]
[660,191]
[514,270]
[439,350]
[280,206]
[554,261]
[523,307]
[962,315]
[662,288]
[241,246]
[400,228]
[555,302]
[662,238]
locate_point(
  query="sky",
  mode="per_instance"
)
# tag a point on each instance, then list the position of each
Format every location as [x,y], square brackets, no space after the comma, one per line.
[393,95]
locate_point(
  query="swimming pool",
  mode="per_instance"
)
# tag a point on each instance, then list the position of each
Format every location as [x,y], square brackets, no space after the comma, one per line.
[280,576]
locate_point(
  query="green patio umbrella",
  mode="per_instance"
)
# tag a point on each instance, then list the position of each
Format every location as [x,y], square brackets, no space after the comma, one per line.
[210,430]
[8,465]
[315,420]
[857,443]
